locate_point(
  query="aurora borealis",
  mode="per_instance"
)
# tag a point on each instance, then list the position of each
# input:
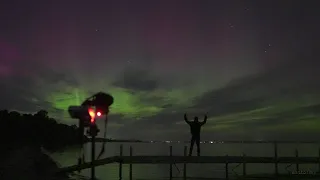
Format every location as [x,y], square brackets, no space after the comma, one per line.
[252,66]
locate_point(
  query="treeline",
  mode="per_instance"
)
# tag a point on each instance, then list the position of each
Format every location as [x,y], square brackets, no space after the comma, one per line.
[36,129]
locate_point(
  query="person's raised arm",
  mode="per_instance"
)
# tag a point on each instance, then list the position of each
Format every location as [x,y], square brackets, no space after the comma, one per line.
[205,120]
[186,119]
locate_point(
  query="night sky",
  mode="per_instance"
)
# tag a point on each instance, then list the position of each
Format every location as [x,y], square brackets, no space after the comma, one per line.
[251,65]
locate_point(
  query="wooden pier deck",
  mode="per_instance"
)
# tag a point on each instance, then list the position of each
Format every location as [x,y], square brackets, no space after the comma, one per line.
[193,160]
[226,160]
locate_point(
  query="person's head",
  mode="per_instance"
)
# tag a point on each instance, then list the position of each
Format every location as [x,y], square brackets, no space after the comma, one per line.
[196,119]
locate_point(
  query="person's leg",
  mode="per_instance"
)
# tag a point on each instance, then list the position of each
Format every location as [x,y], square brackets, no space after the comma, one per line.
[191,145]
[198,144]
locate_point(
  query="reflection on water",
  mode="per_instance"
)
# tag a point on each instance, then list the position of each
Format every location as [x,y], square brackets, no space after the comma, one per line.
[111,171]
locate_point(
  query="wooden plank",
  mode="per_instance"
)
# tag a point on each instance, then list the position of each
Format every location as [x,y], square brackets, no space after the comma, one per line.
[212,159]
[300,160]
[99,162]
[281,176]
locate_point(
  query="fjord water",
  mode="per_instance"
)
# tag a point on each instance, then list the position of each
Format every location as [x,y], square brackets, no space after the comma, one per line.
[161,171]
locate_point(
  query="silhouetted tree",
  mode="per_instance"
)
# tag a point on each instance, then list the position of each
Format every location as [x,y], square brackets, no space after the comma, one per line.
[42,114]
[37,130]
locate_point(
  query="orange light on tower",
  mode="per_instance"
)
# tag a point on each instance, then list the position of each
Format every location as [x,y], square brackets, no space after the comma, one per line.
[92,114]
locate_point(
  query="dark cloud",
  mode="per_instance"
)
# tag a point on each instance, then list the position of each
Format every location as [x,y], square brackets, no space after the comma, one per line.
[290,81]
[136,80]
[20,94]
[151,99]
[29,93]
[157,122]
[118,118]
[54,77]
[169,105]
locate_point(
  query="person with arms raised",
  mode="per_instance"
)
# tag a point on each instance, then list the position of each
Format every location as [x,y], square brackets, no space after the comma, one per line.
[195,128]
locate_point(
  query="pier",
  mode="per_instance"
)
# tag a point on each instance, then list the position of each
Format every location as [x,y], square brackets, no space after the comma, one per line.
[227,160]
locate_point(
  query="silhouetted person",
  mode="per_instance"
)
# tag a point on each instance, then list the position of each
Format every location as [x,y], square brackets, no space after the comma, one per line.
[195,128]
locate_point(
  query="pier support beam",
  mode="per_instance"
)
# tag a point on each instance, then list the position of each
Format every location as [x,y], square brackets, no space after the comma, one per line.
[244,170]
[319,161]
[227,168]
[170,162]
[120,164]
[297,163]
[276,172]
[130,166]
[184,164]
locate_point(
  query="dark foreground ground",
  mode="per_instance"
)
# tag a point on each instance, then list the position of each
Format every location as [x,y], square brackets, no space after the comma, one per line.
[28,163]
